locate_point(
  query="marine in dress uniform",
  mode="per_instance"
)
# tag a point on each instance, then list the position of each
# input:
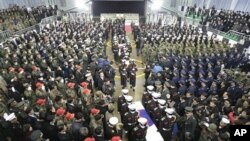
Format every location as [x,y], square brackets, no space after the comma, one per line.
[123,74]
[147,95]
[111,130]
[167,124]
[121,99]
[158,111]
[124,106]
[139,132]
[153,103]
[130,118]
[132,75]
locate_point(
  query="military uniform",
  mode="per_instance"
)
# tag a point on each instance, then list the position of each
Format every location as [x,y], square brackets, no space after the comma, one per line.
[152,103]
[188,126]
[156,115]
[139,131]
[130,118]
[124,109]
[123,74]
[111,130]
[132,76]
[167,124]
[121,99]
[147,95]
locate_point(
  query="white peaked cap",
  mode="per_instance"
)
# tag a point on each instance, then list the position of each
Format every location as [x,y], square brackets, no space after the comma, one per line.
[156,95]
[162,101]
[225,120]
[206,124]
[71,60]
[125,91]
[150,87]
[168,96]
[169,110]
[88,75]
[113,120]
[9,117]
[142,120]
[132,106]
[128,98]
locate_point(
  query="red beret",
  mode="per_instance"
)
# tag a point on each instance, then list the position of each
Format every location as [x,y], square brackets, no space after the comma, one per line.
[69,116]
[71,85]
[39,84]
[94,111]
[60,111]
[11,69]
[86,91]
[41,101]
[84,84]
[20,69]
[34,68]
[89,139]
[116,138]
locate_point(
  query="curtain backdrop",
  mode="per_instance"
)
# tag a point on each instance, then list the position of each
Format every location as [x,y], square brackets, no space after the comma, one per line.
[29,3]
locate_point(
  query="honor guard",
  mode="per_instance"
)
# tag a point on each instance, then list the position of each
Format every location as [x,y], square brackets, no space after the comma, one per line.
[153,103]
[158,111]
[124,106]
[167,123]
[121,99]
[130,118]
[111,129]
[147,95]
[139,132]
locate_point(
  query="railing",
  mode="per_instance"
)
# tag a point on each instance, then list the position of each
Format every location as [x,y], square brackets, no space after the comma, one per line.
[195,22]
[48,20]
[242,35]
[7,34]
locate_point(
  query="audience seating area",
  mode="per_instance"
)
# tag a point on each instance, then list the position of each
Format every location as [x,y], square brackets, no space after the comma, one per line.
[223,20]
[16,18]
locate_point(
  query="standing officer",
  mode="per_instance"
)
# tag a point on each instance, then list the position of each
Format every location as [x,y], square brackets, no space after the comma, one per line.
[123,75]
[153,103]
[111,130]
[188,125]
[139,132]
[158,111]
[167,123]
[147,95]
[121,99]
[132,75]
[124,106]
[130,118]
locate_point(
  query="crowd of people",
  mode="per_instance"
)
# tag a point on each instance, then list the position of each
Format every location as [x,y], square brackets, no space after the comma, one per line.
[192,92]
[57,84]
[16,18]
[121,47]
[223,20]
[134,125]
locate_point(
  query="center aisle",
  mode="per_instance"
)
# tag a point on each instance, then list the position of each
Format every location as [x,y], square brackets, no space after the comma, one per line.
[139,89]
[139,75]
[152,133]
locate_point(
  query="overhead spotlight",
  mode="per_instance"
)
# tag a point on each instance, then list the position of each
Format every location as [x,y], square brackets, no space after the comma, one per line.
[156,4]
[81,4]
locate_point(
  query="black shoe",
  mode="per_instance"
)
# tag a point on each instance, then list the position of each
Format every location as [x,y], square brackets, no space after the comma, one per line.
[133,90]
